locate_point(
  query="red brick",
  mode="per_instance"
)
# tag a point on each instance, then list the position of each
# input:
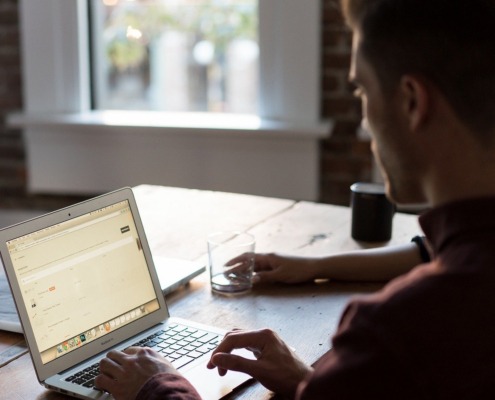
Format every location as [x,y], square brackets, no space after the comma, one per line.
[332,15]
[344,166]
[336,192]
[8,14]
[334,145]
[340,106]
[335,37]
[336,60]
[329,83]
[9,58]
[361,148]
[9,37]
[12,102]
[345,128]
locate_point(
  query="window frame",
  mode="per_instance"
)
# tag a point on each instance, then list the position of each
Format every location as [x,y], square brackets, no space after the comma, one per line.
[57,85]
[60,28]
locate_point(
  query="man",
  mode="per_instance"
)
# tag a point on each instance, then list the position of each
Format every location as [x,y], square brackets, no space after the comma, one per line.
[425,71]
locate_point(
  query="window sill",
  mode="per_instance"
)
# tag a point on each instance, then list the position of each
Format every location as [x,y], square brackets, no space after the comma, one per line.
[176,123]
[94,152]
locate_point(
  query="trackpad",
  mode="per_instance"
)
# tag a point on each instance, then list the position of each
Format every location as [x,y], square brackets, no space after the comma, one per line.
[212,386]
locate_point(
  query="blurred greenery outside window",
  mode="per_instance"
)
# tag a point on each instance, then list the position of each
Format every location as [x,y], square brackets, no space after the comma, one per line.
[175,55]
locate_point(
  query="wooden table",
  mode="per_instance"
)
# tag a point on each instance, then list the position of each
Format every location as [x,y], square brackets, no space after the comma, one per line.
[177,222]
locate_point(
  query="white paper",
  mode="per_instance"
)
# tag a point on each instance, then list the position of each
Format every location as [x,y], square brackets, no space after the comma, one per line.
[9,320]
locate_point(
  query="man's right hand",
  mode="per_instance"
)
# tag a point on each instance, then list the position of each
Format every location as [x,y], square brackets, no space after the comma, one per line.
[276,366]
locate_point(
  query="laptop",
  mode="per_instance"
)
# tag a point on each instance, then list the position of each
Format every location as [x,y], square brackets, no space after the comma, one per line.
[84,282]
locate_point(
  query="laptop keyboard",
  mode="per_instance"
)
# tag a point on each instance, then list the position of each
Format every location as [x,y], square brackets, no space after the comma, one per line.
[179,344]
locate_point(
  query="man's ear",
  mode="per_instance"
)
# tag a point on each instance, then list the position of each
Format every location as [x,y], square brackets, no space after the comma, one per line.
[415,101]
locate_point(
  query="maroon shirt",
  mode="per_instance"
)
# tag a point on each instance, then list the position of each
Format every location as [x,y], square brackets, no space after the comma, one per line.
[429,334]
[169,387]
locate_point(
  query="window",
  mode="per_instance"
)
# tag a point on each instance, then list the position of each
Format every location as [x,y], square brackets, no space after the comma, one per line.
[176,55]
[56,59]
[72,148]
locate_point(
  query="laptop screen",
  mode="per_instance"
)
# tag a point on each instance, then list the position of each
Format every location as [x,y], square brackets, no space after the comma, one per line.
[82,279]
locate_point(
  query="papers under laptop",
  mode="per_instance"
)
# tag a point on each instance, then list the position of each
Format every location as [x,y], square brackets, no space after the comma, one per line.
[174,273]
[84,281]
[9,321]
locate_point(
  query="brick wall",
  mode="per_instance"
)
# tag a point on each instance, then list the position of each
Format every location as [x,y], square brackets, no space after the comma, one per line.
[13,174]
[344,158]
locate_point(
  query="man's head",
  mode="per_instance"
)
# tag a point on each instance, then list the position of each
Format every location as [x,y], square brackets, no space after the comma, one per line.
[449,42]
[423,46]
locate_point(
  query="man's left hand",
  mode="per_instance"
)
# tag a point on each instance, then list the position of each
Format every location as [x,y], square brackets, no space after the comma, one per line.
[123,374]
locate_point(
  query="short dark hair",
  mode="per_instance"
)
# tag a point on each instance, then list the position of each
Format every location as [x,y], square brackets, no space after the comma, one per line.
[451,43]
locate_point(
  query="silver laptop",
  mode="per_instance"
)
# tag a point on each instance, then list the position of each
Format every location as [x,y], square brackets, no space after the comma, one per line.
[84,282]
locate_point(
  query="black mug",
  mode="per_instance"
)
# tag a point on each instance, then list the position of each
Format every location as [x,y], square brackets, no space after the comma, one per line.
[372,213]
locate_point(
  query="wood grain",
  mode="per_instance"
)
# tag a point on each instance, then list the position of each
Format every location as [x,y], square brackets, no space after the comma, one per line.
[177,222]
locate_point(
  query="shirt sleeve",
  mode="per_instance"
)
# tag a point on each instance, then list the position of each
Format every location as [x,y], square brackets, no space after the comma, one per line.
[168,386]
[359,366]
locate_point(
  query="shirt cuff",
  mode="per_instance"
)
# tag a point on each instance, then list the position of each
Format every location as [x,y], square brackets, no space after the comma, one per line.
[167,386]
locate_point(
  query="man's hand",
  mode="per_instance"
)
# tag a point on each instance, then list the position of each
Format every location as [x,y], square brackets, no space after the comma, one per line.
[123,374]
[276,366]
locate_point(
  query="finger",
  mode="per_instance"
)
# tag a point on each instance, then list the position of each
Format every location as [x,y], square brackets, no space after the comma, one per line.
[257,353]
[231,362]
[262,262]
[224,347]
[240,339]
[239,267]
[110,368]
[117,356]
[221,371]
[106,383]
[132,350]
[254,341]
[244,258]
[236,260]
[141,351]
[266,276]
